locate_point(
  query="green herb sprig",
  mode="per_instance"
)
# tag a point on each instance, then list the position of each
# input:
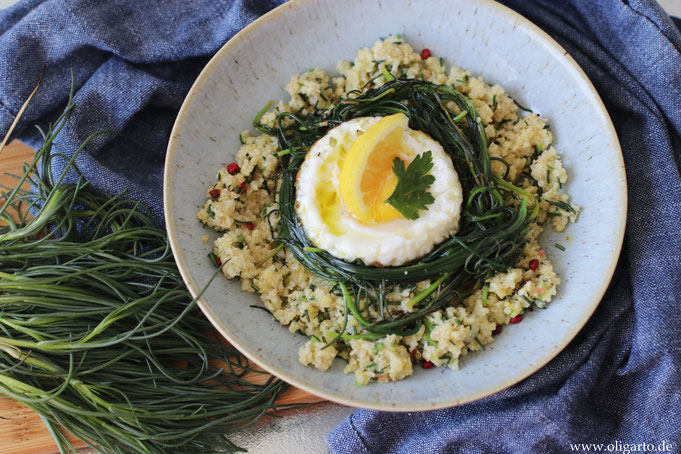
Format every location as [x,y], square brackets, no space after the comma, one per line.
[411,192]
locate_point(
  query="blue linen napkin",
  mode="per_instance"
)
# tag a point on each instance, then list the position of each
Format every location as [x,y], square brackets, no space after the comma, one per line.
[618,383]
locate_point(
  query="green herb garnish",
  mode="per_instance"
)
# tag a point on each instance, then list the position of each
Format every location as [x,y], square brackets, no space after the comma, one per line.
[209,210]
[426,335]
[521,107]
[479,343]
[214,259]
[562,205]
[411,193]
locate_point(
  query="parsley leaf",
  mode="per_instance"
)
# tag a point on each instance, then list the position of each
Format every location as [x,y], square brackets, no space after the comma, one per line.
[411,193]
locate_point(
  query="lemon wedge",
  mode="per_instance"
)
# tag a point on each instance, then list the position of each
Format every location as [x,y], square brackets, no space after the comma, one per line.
[366,177]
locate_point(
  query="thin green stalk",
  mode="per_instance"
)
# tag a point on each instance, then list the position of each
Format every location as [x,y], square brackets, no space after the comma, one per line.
[98,333]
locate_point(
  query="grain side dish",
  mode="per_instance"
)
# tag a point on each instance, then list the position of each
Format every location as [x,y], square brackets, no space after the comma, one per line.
[242,204]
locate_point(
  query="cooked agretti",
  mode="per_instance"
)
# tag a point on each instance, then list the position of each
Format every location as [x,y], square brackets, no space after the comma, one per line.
[494,224]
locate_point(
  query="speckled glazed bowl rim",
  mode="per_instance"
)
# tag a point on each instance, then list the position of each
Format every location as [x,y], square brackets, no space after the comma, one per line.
[618,167]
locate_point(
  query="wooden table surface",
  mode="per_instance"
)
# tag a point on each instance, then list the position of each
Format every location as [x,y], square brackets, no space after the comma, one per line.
[21,430]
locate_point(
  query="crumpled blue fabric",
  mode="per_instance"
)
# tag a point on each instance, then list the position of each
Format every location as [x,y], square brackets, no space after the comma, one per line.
[618,383]
[133,63]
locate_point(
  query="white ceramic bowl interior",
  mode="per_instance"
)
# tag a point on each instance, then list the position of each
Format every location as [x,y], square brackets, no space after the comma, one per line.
[482,36]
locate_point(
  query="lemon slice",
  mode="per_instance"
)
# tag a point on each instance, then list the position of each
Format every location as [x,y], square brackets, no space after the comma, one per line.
[366,177]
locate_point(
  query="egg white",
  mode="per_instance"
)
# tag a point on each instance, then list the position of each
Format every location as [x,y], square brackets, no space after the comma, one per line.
[330,226]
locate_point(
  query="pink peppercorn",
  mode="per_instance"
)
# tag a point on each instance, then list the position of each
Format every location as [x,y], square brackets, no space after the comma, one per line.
[425,53]
[250,226]
[233,168]
[497,330]
[534,264]
[517,319]
[426,364]
[243,186]
[214,193]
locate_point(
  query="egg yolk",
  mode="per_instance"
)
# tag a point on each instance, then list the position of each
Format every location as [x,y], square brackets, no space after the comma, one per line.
[366,178]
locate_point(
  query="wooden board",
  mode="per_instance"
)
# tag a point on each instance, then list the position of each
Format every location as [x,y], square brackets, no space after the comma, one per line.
[21,430]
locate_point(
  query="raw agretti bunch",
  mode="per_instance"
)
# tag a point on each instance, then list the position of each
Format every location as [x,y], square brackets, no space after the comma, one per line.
[98,333]
[495,216]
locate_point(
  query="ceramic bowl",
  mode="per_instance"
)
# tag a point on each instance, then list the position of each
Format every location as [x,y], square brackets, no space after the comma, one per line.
[482,36]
